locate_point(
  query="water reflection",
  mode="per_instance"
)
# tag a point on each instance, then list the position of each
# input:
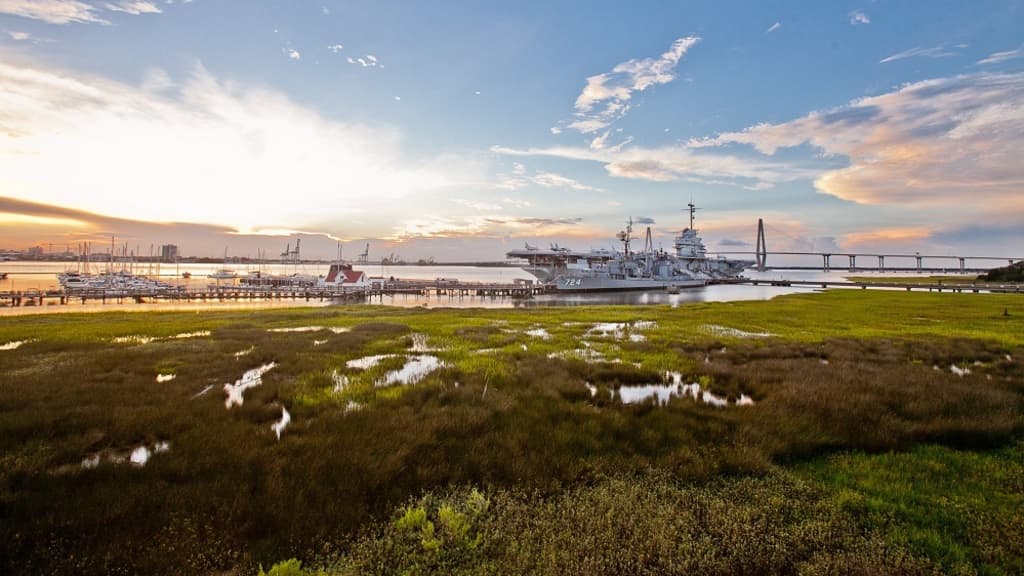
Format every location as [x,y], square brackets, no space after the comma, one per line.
[281,424]
[250,379]
[138,456]
[675,388]
[41,275]
[14,345]
[416,368]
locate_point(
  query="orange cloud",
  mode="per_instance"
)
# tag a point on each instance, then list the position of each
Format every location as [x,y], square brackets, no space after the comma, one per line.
[888,236]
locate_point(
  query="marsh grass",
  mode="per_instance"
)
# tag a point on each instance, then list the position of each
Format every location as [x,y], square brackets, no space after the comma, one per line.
[777,524]
[519,425]
[963,509]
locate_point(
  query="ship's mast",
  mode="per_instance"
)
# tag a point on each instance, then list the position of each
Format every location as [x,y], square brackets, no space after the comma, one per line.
[625,236]
[692,210]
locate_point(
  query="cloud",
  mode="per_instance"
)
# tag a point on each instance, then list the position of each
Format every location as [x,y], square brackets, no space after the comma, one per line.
[208,149]
[517,202]
[52,11]
[368,61]
[520,179]
[30,224]
[157,80]
[940,51]
[19,36]
[909,235]
[773,28]
[998,57]
[733,242]
[643,220]
[133,7]
[335,48]
[933,143]
[606,97]
[858,17]
[480,206]
[675,162]
[928,145]
[292,53]
[479,227]
[539,221]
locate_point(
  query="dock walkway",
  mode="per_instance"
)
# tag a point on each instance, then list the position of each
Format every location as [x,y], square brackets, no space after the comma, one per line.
[242,293]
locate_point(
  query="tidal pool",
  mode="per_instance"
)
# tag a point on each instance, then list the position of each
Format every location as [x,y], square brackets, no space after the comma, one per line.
[675,388]
[340,381]
[198,334]
[250,379]
[335,329]
[716,330]
[961,372]
[281,424]
[137,456]
[367,362]
[14,345]
[619,330]
[202,392]
[245,352]
[416,368]
[133,339]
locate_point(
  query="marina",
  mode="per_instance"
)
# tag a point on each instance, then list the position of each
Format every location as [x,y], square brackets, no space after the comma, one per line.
[484,294]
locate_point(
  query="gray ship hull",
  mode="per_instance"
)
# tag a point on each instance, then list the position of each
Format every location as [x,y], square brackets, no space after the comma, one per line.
[598,284]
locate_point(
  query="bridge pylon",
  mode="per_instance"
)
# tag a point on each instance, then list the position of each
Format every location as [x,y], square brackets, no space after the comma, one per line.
[762,247]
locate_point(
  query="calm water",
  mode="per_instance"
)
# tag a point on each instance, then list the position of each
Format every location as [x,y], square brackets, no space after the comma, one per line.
[24,276]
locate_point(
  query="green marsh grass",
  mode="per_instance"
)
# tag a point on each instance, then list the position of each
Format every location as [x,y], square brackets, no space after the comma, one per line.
[844,373]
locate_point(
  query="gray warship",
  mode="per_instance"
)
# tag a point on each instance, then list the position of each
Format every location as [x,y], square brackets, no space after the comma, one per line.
[648,269]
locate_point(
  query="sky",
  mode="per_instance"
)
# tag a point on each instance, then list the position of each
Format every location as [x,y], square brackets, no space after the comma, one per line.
[460,130]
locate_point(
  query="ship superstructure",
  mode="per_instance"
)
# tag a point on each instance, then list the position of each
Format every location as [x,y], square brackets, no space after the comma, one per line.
[626,269]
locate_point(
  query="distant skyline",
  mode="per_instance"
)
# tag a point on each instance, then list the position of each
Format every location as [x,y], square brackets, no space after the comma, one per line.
[460,130]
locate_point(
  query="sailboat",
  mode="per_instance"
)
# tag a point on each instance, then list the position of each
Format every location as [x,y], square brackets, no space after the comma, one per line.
[224,273]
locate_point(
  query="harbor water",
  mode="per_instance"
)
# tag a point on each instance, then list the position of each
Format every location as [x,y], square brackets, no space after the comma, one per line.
[30,276]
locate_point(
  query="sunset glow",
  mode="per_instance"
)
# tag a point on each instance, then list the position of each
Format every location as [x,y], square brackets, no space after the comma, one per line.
[333,123]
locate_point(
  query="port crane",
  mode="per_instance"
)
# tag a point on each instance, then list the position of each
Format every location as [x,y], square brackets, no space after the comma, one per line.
[290,255]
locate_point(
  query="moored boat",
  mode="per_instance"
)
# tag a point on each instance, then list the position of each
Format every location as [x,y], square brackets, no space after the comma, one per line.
[648,269]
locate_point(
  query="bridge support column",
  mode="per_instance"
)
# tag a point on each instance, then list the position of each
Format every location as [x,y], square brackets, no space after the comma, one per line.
[826,257]
[962,266]
[881,263]
[762,247]
[853,262]
[919,258]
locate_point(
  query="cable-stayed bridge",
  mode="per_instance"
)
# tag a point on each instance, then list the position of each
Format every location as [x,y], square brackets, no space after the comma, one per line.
[873,261]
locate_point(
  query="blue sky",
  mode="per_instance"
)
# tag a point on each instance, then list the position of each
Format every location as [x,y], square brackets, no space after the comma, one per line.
[455,129]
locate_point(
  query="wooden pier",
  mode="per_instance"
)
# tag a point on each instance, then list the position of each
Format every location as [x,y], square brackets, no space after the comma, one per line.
[242,293]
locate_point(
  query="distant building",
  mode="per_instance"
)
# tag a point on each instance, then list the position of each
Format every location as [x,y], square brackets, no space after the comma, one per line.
[35,252]
[342,275]
[168,253]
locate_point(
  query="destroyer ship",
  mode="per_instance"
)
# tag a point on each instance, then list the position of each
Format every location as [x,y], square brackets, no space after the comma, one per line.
[649,269]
